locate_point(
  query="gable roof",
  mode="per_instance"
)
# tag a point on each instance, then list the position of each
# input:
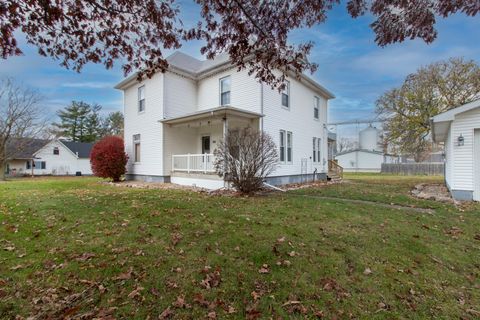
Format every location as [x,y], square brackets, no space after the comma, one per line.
[450,114]
[24,148]
[82,149]
[441,122]
[199,68]
[359,150]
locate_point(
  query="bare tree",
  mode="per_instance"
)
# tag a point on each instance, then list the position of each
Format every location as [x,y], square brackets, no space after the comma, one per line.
[20,118]
[245,157]
[346,144]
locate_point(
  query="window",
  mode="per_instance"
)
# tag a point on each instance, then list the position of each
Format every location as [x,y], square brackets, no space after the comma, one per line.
[29,165]
[39,165]
[289,146]
[56,151]
[141,99]
[225,91]
[136,147]
[286,95]
[319,144]
[282,146]
[316,108]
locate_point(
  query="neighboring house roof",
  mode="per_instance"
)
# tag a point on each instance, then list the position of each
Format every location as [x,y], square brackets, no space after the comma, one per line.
[364,150]
[441,122]
[82,149]
[24,148]
[200,68]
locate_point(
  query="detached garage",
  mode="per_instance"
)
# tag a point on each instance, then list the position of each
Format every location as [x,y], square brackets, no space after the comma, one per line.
[459,130]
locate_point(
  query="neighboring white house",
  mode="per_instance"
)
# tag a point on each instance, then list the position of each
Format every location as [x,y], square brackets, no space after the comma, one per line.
[368,157]
[44,157]
[459,129]
[175,120]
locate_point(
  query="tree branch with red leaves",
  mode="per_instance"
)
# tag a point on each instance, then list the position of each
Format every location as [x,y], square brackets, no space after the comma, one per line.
[254,33]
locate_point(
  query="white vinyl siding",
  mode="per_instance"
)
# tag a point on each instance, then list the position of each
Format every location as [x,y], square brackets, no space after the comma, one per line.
[462,166]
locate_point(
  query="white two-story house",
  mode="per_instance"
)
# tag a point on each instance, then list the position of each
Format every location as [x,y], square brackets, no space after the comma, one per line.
[175,120]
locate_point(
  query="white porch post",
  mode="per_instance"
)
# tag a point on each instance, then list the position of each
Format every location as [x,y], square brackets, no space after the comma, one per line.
[204,163]
[225,131]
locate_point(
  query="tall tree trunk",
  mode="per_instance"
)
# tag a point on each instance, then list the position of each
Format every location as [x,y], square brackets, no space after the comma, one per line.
[2,170]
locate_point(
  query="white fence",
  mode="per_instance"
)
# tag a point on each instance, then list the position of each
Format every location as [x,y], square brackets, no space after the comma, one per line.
[193,162]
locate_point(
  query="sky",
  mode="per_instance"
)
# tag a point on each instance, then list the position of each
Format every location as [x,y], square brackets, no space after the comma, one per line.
[351,65]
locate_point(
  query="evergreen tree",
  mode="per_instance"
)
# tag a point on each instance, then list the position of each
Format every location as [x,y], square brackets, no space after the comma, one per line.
[79,122]
[113,124]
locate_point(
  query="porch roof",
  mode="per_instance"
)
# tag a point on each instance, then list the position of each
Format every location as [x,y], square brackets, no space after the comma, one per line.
[218,112]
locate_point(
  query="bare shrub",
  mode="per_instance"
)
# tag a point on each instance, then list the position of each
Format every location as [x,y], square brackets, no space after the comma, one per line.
[245,157]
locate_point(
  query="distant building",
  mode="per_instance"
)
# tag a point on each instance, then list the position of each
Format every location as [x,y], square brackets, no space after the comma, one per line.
[368,157]
[48,157]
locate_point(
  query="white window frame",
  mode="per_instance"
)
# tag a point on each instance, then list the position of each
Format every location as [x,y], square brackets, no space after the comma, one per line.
[282,153]
[141,99]
[319,148]
[286,91]
[289,147]
[314,149]
[316,108]
[221,92]
[137,141]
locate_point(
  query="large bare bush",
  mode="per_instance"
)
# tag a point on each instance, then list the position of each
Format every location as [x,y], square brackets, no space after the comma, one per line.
[245,157]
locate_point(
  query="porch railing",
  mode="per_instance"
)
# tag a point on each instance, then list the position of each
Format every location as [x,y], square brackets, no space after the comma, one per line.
[193,162]
[335,168]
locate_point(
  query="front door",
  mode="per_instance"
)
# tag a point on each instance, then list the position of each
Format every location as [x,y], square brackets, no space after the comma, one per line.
[476,166]
[205,144]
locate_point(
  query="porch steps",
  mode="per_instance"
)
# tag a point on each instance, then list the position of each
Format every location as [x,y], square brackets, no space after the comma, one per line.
[333,177]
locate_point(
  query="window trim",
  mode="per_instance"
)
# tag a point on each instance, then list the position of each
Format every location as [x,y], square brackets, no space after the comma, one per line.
[314,150]
[221,93]
[316,107]
[287,89]
[319,148]
[137,141]
[289,133]
[283,137]
[142,87]
[56,151]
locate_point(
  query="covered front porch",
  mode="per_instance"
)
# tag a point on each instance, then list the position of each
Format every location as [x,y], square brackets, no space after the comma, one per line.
[190,142]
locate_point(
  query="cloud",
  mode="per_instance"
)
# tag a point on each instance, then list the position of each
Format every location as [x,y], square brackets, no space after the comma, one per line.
[88,85]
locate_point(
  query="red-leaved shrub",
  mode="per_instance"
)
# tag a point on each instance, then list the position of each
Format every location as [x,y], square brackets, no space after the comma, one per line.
[108,158]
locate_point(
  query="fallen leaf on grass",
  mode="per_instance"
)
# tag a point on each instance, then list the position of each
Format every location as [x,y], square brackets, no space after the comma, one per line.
[9,248]
[212,278]
[367,271]
[166,314]
[85,256]
[180,303]
[264,269]
[135,293]
[212,315]
[124,276]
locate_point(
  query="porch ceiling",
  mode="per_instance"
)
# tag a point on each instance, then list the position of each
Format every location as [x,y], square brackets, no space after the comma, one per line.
[214,113]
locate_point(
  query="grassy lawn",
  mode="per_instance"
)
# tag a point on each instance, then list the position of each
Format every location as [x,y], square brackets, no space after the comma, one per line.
[76,248]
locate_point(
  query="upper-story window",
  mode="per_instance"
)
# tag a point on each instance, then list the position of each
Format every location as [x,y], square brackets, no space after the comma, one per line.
[56,151]
[316,108]
[225,86]
[286,95]
[141,99]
